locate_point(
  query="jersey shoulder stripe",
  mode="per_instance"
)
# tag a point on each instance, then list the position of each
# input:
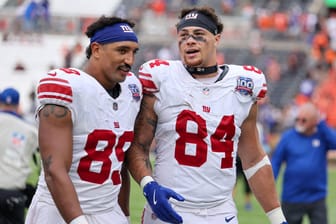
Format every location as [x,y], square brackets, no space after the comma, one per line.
[152,73]
[60,86]
[54,88]
[147,83]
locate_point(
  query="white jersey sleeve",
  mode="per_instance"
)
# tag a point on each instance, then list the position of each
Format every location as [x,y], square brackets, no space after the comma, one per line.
[198,127]
[151,83]
[251,81]
[102,132]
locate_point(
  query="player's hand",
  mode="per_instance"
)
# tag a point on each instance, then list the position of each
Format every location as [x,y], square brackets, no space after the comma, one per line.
[157,197]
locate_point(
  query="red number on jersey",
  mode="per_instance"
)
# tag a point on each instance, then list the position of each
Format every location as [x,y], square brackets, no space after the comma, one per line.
[225,131]
[252,69]
[186,137]
[102,156]
[70,71]
[158,62]
[221,140]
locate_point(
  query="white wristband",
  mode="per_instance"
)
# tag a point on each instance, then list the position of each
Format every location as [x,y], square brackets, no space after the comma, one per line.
[276,216]
[79,220]
[145,180]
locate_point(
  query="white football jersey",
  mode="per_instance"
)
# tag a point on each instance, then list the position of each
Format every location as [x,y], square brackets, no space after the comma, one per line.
[102,132]
[199,126]
[18,143]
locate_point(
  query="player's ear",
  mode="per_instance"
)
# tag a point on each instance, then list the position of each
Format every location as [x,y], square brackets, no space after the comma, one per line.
[217,38]
[95,48]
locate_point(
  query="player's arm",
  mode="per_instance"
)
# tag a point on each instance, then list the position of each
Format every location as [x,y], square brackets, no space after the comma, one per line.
[55,141]
[137,156]
[257,168]
[124,194]
[138,161]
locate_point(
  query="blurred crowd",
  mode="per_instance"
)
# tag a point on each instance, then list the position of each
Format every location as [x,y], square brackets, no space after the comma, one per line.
[295,74]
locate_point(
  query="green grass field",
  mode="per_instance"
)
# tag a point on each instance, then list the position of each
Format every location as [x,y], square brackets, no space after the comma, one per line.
[255,216]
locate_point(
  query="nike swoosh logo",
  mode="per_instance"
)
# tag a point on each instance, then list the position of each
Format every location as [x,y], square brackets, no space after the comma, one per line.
[229,219]
[154,198]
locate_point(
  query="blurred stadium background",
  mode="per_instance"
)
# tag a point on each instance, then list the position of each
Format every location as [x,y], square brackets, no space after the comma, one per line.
[292,41]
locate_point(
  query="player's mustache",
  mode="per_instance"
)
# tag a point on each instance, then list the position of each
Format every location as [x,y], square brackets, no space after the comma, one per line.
[125,67]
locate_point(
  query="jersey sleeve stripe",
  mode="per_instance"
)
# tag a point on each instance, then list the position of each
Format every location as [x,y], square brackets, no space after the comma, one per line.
[262,93]
[147,84]
[145,74]
[53,80]
[62,98]
[54,88]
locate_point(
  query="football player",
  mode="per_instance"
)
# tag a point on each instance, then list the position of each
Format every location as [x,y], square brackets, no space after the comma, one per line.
[86,119]
[202,115]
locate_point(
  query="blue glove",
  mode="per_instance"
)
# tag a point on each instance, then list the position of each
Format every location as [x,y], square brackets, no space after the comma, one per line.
[157,197]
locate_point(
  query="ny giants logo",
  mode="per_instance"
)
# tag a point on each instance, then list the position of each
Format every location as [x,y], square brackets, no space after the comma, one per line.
[116,124]
[206,109]
[126,29]
[191,16]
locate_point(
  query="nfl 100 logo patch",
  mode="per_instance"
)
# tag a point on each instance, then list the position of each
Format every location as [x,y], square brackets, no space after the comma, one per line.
[135,91]
[245,86]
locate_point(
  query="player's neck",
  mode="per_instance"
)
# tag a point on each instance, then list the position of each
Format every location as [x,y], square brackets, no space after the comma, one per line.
[207,76]
[206,71]
[115,91]
[212,78]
